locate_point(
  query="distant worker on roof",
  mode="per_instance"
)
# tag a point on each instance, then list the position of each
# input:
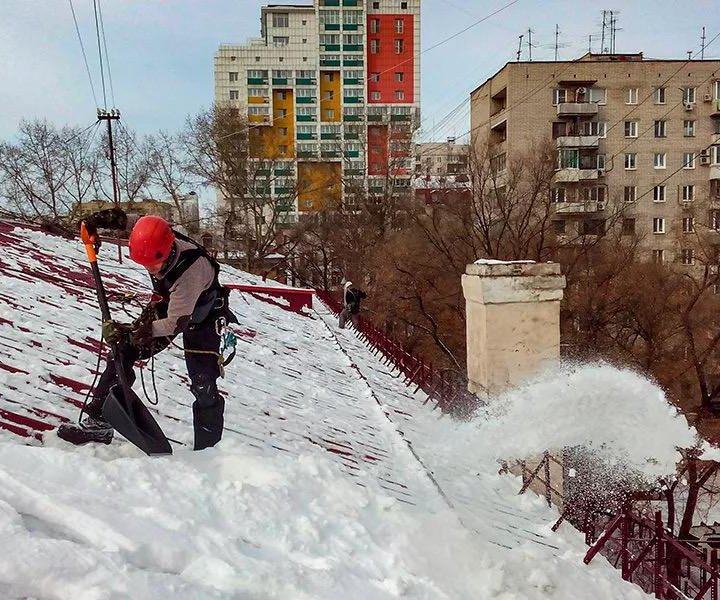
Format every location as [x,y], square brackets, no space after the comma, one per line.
[351,301]
[188,299]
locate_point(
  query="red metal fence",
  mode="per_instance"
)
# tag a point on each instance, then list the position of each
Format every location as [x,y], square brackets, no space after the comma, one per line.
[448,394]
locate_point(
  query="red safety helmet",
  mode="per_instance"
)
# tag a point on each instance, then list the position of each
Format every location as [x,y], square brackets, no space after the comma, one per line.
[151,241]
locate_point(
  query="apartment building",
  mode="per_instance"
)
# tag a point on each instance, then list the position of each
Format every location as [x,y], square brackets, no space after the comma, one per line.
[635,138]
[332,94]
[441,159]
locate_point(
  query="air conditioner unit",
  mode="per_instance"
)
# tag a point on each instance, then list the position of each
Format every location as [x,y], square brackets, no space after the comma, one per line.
[601,205]
[601,172]
[707,98]
[689,105]
[704,159]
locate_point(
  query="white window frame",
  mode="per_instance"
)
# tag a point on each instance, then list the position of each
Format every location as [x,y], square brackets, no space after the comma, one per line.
[280,19]
[687,193]
[352,17]
[660,160]
[374,46]
[631,97]
[280,41]
[689,94]
[631,129]
[659,193]
[399,76]
[399,26]
[633,195]
[660,95]
[689,128]
[660,128]
[559,96]
[233,76]
[234,94]
[688,160]
[687,256]
[658,256]
[658,225]
[374,25]
[375,95]
[399,46]
[688,225]
[630,161]
[330,17]
[399,94]
[256,92]
[560,195]
[717,89]
[597,91]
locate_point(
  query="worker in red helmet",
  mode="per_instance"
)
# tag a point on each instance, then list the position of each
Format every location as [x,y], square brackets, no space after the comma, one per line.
[187,299]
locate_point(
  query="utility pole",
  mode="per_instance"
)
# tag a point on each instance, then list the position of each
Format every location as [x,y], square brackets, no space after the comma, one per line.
[590,43]
[529,44]
[113,115]
[557,34]
[602,38]
[702,45]
[519,52]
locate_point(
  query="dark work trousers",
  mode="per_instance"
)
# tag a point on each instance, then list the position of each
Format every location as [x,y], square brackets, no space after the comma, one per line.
[203,370]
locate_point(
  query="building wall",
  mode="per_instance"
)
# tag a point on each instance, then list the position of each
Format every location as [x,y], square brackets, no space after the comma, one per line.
[319,185]
[527,122]
[330,108]
[388,66]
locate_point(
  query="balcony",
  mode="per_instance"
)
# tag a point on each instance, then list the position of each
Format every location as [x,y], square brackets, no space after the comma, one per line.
[571,175]
[714,172]
[279,81]
[354,61]
[329,62]
[577,141]
[305,81]
[715,108]
[577,109]
[575,208]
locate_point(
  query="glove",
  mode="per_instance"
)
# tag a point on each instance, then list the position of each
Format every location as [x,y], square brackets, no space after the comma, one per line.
[114,332]
[111,218]
[141,333]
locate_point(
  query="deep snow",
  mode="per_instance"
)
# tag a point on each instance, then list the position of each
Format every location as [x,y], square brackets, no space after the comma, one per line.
[333,479]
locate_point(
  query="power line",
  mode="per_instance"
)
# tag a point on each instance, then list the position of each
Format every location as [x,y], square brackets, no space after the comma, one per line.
[82,48]
[107,56]
[100,56]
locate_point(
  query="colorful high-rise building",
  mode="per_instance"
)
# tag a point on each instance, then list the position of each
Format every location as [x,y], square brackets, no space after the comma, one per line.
[332,95]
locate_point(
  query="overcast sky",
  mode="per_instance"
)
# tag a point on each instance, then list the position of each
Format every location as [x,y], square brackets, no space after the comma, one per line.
[161,51]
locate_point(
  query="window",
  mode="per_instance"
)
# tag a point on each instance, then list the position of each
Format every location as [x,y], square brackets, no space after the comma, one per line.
[306,111]
[234,95]
[374,25]
[592,227]
[280,19]
[279,41]
[375,77]
[559,96]
[600,161]
[597,95]
[715,219]
[687,256]
[717,90]
[304,40]
[659,193]
[631,161]
[658,225]
[399,46]
[353,92]
[233,75]
[352,39]
[329,39]
[257,59]
[329,17]
[257,74]
[375,95]
[283,130]
[281,112]
[399,26]
[374,46]
[376,5]
[560,195]
[688,95]
[631,96]
[630,129]
[659,160]
[352,74]
[688,224]
[659,129]
[352,17]
[687,193]
[660,95]
[281,74]
[329,95]
[329,77]
[559,227]
[403,5]
[688,160]
[630,193]
[258,110]
[628,227]
[714,155]
[399,76]
[658,256]
[306,129]
[305,92]
[282,95]
[305,74]
[399,95]
[328,114]
[689,128]
[283,148]
[256,92]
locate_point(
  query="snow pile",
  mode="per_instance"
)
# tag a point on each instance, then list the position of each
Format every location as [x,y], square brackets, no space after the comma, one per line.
[494,261]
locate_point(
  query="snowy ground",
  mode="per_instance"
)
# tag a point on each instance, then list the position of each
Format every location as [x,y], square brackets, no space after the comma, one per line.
[332,480]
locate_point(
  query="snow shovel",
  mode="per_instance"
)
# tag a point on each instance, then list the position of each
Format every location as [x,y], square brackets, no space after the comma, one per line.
[123,408]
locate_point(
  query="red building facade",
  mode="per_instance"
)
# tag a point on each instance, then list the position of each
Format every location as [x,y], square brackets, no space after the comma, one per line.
[390,58]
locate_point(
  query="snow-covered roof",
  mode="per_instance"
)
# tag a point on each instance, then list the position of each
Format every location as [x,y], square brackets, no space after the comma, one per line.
[332,479]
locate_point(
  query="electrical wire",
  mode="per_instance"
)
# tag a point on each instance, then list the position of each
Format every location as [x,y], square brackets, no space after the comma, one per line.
[100,55]
[82,48]
[107,56]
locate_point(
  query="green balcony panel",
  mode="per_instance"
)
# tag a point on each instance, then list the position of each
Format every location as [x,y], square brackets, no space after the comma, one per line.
[329,136]
[352,136]
[349,2]
[262,172]
[329,63]
[329,2]
[374,118]
[257,81]
[352,100]
[305,118]
[399,117]
[354,172]
[283,172]
[280,81]
[283,191]
[330,154]
[306,136]
[352,48]
[304,81]
[350,27]
[332,26]
[351,81]
[352,153]
[331,48]
[351,117]
[353,62]
[305,100]
[306,154]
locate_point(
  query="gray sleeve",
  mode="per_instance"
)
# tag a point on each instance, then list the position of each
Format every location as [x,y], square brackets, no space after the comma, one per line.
[183,297]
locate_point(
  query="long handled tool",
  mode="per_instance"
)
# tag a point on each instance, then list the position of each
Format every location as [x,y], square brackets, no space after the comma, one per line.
[123,408]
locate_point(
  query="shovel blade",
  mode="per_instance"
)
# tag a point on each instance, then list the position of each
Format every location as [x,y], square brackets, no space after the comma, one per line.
[131,418]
